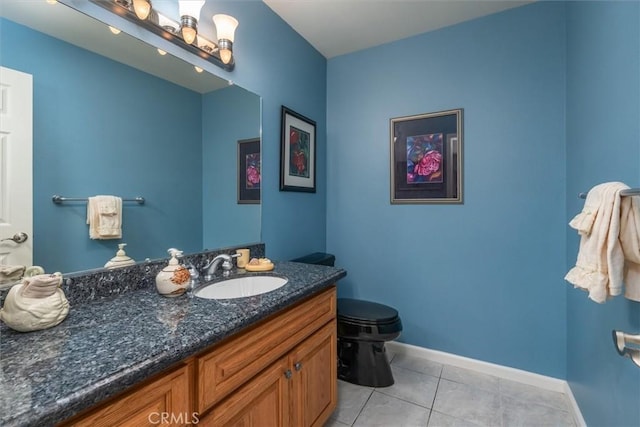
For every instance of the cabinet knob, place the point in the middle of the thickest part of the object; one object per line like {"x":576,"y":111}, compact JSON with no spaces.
{"x":288,"y":374}
{"x":298,"y":366}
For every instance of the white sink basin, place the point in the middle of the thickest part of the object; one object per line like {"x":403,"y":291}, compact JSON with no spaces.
{"x":241,"y":287}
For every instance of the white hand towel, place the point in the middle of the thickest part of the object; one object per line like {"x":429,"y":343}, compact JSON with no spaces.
{"x":630,"y":241}
{"x":600,"y":265}
{"x":104,"y":216}
{"x":583,"y":222}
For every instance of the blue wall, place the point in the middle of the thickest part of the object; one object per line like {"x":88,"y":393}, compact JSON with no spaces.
{"x":277,"y":63}
{"x":138,"y":147}
{"x":482,"y":279}
{"x":228,"y":115}
{"x":603,"y":144}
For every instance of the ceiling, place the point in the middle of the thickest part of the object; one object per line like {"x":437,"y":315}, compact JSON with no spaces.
{"x":337,"y":27}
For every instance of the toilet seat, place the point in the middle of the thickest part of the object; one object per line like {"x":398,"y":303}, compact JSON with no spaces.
{"x":365,"y":312}
{"x":366,"y":320}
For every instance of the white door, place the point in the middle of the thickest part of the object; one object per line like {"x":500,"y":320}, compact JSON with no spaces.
{"x":16,"y":194}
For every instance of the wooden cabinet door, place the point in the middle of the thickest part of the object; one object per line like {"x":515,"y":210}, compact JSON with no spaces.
{"x":313,"y":363}
{"x":164,"y":401}
{"x":262,"y":402}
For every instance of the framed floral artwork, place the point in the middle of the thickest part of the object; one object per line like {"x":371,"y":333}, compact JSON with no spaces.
{"x":426,"y":158}
{"x":297,"y":153}
{"x":249,"y":171}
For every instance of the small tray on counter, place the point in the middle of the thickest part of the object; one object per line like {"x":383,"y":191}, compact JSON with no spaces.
{"x":263,"y":266}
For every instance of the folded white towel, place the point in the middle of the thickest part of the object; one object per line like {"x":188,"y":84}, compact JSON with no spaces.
{"x":104,"y":216}
{"x":609,"y":253}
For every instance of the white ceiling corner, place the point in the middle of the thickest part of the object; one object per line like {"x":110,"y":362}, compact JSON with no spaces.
{"x":338,"y":27}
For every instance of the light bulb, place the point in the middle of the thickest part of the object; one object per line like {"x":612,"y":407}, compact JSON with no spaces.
{"x":188,"y":34}
{"x":198,"y":69}
{"x":142,"y":8}
{"x":114,"y":30}
{"x":225,"y":55}
{"x":161,"y":52}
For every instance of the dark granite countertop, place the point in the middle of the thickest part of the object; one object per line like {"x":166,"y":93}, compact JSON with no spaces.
{"x":107,"y":345}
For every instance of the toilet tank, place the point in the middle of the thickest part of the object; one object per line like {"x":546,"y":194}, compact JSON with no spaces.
{"x":318,"y":258}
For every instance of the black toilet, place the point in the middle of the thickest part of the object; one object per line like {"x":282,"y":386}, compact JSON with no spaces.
{"x":363,"y":328}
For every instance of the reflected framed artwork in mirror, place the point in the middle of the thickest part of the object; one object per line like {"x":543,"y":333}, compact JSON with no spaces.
{"x":297,"y":153}
{"x":249,"y":169}
{"x":426,"y":158}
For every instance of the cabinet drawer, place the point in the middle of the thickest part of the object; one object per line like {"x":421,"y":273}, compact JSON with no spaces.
{"x":164,"y":399}
{"x":236,"y":360}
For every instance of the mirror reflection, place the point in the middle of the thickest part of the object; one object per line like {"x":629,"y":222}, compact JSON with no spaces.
{"x":111,"y":116}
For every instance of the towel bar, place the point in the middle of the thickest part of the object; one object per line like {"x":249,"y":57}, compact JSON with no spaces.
{"x":627,"y":345}
{"x":629,"y":192}
{"x":59,"y":199}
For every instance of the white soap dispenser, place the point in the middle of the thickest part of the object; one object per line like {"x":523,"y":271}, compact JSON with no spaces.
{"x":174,"y":279}
{"x":121,"y":259}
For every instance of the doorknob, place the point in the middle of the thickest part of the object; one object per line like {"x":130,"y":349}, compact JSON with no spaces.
{"x":17,"y":238}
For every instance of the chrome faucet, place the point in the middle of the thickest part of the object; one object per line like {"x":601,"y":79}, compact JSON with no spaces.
{"x":227,"y":265}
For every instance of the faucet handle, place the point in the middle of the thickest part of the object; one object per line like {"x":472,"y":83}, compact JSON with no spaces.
{"x":227,"y":264}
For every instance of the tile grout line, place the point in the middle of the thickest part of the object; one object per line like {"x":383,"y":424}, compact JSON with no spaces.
{"x":363,"y":406}
{"x":434,"y":398}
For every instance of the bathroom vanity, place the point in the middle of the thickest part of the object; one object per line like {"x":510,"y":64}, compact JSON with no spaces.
{"x":138,"y":358}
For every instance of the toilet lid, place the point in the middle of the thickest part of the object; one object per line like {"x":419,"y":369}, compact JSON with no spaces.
{"x":365,"y":311}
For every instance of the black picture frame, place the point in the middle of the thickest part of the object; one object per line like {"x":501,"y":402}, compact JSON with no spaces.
{"x":249,"y":171}
{"x":426,"y":158}
{"x":297,"y":152}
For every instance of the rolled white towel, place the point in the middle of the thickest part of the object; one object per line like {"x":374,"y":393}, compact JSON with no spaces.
{"x":36,"y":303}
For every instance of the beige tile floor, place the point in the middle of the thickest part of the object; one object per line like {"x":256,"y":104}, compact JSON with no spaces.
{"x":426,"y":393}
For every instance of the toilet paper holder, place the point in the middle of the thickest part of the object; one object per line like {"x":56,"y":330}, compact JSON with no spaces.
{"x":627,"y":345}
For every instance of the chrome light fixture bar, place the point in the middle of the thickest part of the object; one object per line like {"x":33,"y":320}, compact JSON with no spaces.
{"x":171,"y":30}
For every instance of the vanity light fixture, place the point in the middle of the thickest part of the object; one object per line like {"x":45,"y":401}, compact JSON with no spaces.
{"x":184,"y":32}
{"x":226,"y":26}
{"x":189,"y":15}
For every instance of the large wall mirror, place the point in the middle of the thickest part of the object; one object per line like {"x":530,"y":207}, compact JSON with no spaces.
{"x":113,"y":116}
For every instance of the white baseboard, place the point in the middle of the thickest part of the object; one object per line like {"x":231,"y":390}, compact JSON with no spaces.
{"x":525,"y":377}
{"x":577,"y":415}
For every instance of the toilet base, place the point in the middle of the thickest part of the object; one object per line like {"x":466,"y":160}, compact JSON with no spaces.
{"x":364,"y":363}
